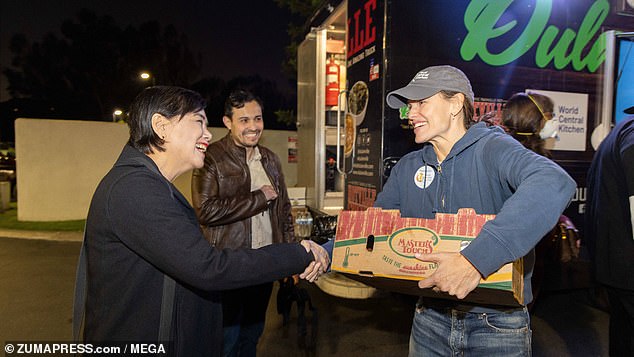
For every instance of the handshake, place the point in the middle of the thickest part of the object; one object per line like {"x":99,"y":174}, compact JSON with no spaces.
{"x":317,"y":266}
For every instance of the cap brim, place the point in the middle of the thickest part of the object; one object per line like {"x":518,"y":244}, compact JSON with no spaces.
{"x":629,"y":110}
{"x":398,"y":98}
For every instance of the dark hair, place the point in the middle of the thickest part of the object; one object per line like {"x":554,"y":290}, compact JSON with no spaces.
{"x":238,"y":98}
{"x":171,"y":102}
{"x":523,"y":119}
{"x":467,"y":107}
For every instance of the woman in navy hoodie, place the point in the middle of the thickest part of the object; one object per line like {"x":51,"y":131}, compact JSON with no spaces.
{"x":467,"y":165}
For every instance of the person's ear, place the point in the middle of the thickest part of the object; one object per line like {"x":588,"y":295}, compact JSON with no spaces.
{"x":160,"y":125}
{"x":457,"y":103}
{"x":227,"y":121}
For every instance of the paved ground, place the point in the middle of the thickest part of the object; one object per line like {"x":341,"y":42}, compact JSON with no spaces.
{"x":37,"y":278}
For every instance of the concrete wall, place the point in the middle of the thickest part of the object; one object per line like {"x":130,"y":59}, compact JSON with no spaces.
{"x":60,"y":162}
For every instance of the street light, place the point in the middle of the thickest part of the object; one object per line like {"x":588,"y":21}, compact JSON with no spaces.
{"x":116,"y":115}
{"x":146,"y":76}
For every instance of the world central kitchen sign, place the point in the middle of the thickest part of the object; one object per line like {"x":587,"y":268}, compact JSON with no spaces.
{"x":487,"y":21}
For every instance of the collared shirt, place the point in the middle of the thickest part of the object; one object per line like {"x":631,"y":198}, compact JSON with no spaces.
{"x":261,"y":230}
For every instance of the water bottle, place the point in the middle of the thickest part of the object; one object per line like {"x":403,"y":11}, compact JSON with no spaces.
{"x":308,"y":225}
{"x":303,"y":225}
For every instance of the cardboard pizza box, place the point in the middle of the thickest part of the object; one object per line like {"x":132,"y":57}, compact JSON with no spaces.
{"x":377,"y":247}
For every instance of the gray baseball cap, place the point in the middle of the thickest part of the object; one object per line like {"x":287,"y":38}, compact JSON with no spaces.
{"x":430,"y":81}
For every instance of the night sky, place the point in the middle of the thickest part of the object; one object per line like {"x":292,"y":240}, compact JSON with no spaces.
{"x":235,"y":37}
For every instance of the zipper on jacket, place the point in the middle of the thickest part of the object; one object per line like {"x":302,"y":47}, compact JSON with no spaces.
{"x":442,"y":195}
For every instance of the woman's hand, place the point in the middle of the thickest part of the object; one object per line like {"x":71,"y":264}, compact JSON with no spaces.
{"x":454,"y":275}
{"x":317,"y":266}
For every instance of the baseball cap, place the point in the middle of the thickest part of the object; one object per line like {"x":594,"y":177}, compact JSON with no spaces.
{"x":430,"y":81}
{"x":629,"y":110}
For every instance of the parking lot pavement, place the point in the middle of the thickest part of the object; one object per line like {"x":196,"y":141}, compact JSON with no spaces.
{"x":36,"y":288}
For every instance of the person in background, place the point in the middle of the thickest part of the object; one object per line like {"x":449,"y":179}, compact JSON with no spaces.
{"x":142,"y":237}
{"x":528,"y":118}
{"x":463,"y":164}
{"x":241,"y":201}
{"x":609,"y":227}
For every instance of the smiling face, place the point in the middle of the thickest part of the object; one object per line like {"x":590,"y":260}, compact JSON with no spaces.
{"x":439,"y":120}
{"x":186,"y":141}
{"x":246,"y":124}
{"x":430,"y":118}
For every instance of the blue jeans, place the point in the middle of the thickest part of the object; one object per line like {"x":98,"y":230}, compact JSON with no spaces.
{"x":449,"y":332}
{"x":244,"y":313}
{"x":241,"y":340}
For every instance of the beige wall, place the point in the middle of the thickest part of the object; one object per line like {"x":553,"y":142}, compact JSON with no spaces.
{"x":60,"y":163}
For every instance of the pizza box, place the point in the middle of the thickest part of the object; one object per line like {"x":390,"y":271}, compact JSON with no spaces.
{"x":377,"y":247}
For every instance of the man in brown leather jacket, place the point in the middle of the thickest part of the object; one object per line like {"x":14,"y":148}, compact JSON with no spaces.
{"x":241,"y":201}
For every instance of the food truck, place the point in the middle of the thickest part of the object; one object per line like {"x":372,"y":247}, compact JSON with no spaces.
{"x":356,"y":51}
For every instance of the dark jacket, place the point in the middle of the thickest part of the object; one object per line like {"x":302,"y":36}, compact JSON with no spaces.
{"x":224,"y":203}
{"x":608,"y":220}
{"x":140,"y":227}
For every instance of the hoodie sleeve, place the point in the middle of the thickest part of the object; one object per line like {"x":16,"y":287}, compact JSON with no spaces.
{"x":541,"y":191}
